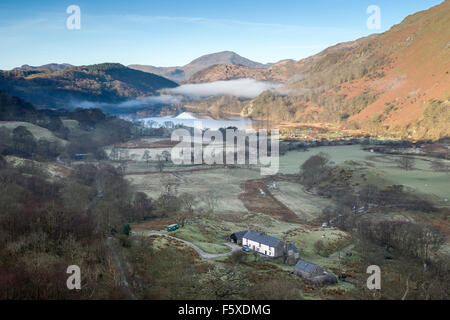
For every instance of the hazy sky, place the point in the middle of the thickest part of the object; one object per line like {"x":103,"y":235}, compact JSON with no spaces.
{"x":169,"y":32}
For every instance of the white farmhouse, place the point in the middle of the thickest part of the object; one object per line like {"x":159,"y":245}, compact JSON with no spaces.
{"x":264,"y":244}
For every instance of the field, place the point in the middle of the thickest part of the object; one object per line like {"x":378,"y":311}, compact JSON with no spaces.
{"x":382,"y":169}
{"x":308,"y":207}
{"x":224,"y":183}
{"x":227,"y":183}
{"x":70,"y":124}
{"x":241,"y":189}
{"x":38,"y":132}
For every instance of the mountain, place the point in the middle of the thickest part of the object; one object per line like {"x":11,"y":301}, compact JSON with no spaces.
{"x":50,"y":66}
{"x":101,"y":83}
{"x":227,"y":72}
{"x":394,"y":83}
{"x":282,"y":71}
{"x":184,"y":73}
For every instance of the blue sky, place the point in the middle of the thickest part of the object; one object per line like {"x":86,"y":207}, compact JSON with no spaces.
{"x":170,"y":32}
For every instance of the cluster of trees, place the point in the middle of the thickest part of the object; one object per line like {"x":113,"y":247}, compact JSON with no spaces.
{"x":47,"y":225}
{"x":315,"y":170}
{"x":440,"y":166}
{"x":21,"y":142}
{"x":316,"y":173}
{"x":405,"y":163}
{"x":410,"y":238}
{"x":360,"y":212}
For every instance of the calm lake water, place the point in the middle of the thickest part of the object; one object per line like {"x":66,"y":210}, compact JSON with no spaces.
{"x":194,"y":120}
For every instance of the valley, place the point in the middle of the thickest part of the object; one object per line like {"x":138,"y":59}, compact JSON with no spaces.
{"x":101,"y":167}
{"x":281,"y":206}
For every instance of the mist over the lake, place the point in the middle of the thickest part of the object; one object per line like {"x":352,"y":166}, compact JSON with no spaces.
{"x":242,"y":88}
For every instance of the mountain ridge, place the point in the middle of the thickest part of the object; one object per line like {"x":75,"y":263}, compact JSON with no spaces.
{"x":395,"y":83}
{"x":184,"y":73}
{"x":49,"y":66}
{"x":101,"y":83}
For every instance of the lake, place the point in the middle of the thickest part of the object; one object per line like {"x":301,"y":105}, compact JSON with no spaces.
{"x":189,"y":119}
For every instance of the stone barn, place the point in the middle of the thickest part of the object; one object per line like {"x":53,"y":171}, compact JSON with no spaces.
{"x":292,"y":254}
{"x":307,"y":269}
{"x":313,"y":273}
{"x":237,"y":237}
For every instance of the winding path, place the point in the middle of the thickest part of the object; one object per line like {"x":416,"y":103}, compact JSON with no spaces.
{"x":202,"y":253}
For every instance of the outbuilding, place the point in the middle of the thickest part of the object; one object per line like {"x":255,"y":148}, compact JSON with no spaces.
{"x":237,"y":237}
{"x":313,"y":273}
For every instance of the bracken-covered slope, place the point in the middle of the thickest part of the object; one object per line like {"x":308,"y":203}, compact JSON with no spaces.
{"x":282,"y":71}
{"x":396,"y":82}
{"x":107,"y":83}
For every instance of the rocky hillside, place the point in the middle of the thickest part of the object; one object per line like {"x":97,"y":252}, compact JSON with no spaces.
{"x":228,"y":72}
{"x":107,"y":83}
{"x":397,"y":82}
{"x":184,"y":73}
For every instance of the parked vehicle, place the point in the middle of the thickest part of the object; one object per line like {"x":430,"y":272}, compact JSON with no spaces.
{"x":173,"y":227}
{"x":245,"y":249}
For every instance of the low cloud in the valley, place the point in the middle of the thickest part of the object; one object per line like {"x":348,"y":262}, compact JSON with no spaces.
{"x":243,"y":88}
{"x":135,"y":103}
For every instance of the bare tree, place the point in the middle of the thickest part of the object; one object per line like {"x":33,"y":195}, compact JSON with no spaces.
{"x":440,"y":166}
{"x":405,"y":163}
{"x":188,"y":201}
{"x":114,"y":155}
{"x":146,"y":157}
{"x":211,"y":199}
{"x":160,"y":164}
{"x":169,"y":124}
{"x":181,"y":217}
{"x":166,"y":155}
{"x":237,"y":257}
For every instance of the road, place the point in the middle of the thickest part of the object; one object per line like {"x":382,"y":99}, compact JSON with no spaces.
{"x":202,"y":253}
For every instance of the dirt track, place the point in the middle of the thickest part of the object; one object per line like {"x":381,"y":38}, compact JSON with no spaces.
{"x":202,"y":253}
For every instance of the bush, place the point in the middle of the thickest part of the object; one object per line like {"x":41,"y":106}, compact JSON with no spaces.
{"x":124,"y":240}
{"x":319,"y":246}
{"x":237,"y":257}
{"x":126,"y":230}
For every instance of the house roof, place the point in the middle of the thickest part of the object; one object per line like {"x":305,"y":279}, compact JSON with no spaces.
{"x":239,"y":235}
{"x":306,"y":266}
{"x":292,"y":247}
{"x":262,"y":238}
